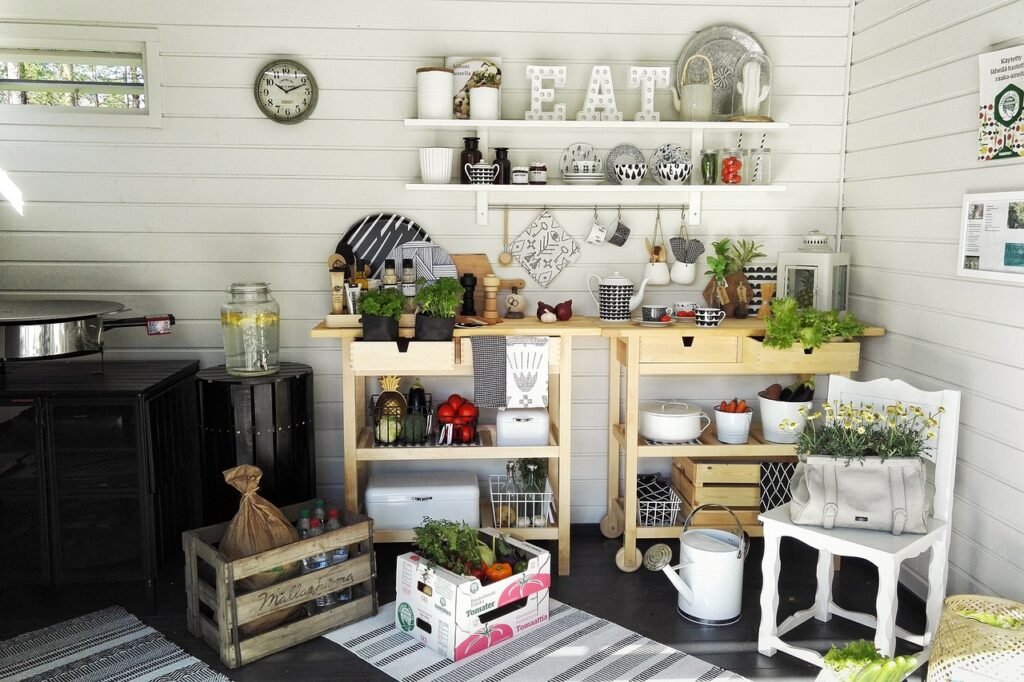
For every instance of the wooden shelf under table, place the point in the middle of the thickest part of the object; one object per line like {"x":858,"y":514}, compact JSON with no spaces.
{"x":756,"y":449}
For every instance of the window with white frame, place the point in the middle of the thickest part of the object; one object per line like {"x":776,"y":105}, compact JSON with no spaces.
{"x":79,"y":75}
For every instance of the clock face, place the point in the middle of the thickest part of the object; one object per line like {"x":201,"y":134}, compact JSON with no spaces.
{"x":286,"y":91}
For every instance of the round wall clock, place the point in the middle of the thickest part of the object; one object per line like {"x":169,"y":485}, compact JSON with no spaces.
{"x":285,"y":91}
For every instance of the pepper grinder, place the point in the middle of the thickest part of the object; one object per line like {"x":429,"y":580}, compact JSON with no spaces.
{"x":468,"y":282}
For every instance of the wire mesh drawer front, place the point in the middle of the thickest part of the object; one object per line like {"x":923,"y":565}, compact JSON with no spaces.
{"x":775,"y":477}
{"x":657,"y":502}
{"x":516,"y":509}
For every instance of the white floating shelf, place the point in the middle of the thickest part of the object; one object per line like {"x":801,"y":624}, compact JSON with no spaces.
{"x":466,"y":124}
{"x":694,"y":192}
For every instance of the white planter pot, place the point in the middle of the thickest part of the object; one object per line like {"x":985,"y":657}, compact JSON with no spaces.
{"x":436,"y":165}
{"x":773,"y":412}
{"x":483,"y":104}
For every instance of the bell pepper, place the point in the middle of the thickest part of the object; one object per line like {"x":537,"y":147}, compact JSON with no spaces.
{"x":499,"y":571}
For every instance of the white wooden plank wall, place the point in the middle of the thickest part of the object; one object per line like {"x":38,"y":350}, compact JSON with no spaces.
{"x":910,"y":158}
{"x":164,"y":219}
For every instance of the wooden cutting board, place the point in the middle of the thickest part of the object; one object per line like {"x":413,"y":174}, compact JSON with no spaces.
{"x":479,"y":264}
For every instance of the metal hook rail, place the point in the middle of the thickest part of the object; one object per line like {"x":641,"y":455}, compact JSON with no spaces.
{"x":587,"y":207}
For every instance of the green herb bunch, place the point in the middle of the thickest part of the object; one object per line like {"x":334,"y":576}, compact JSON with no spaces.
{"x":440,"y":298}
{"x":382,"y":303}
{"x":730,"y":259}
{"x":848,"y":431}
{"x":810,"y":327}
{"x":449,"y":544}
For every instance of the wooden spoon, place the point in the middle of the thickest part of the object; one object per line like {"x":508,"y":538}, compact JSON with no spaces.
{"x":505,"y":258}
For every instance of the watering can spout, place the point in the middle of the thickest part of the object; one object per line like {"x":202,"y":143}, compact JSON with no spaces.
{"x":677,"y":582}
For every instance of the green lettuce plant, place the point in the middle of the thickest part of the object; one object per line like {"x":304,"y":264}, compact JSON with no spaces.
{"x":381,"y":303}
{"x":859,"y":661}
{"x":810,"y":327}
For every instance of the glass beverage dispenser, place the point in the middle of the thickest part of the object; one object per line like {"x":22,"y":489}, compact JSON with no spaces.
{"x":815,"y":275}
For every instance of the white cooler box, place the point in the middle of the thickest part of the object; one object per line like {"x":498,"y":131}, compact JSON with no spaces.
{"x":522,"y":427}
{"x":400,"y":501}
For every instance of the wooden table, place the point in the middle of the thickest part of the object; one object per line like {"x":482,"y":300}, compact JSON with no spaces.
{"x":370,"y":359}
{"x":682,"y":349}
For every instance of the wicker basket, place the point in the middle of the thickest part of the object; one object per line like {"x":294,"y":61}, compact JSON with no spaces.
{"x":964,"y":644}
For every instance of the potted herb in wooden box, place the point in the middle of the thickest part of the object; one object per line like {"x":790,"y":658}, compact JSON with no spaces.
{"x":790,"y":324}
{"x":437,"y":301}
{"x":380,"y":311}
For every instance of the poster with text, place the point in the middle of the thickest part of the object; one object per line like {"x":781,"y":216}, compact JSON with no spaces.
{"x":992,"y":236}
{"x":1001,"y":87}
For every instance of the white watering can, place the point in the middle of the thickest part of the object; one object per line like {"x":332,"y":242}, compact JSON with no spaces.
{"x":710,"y":572}
{"x":615,"y":299}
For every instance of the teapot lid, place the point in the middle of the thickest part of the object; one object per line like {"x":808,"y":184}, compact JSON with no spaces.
{"x":616,"y":278}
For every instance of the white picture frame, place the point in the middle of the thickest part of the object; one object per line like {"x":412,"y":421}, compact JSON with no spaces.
{"x":991,"y":244}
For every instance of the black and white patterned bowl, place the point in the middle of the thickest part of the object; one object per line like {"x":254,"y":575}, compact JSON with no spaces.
{"x":630,"y":173}
{"x":674,"y":172}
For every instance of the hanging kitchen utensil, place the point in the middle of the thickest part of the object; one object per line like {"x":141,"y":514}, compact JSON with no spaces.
{"x":678,"y":243}
{"x":505,"y":258}
{"x":544,"y":248}
{"x":657,"y":269}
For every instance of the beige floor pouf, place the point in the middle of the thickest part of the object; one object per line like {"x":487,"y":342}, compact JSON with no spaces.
{"x":966,"y":650}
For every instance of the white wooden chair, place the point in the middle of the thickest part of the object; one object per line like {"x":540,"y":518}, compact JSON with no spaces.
{"x":886,"y":551}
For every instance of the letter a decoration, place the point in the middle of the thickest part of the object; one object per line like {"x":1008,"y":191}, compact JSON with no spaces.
{"x":600,"y":104}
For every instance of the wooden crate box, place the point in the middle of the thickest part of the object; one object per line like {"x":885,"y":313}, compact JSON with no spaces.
{"x":217,"y":607}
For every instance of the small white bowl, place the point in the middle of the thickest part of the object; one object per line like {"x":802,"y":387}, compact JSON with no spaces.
{"x":674,"y":173}
{"x":630,"y":173}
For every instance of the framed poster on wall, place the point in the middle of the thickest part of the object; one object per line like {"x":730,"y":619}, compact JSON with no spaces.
{"x":992,"y":237}
{"x":1001,"y":105}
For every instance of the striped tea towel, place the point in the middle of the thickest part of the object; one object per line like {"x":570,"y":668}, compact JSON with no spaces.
{"x":489,"y":371}
{"x":526,"y":372}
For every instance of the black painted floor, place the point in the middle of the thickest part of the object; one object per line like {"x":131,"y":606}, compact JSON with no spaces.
{"x":644,"y":602}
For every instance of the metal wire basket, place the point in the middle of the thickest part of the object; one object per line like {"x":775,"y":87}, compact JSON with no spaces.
{"x":517,"y":509}
{"x":395,"y":433}
{"x":659,"y":512}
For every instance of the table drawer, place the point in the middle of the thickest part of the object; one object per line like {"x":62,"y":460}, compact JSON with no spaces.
{"x":682,"y":348}
{"x":388,"y":357}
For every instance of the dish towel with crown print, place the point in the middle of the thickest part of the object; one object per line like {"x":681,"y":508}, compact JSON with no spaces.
{"x":526,"y":371}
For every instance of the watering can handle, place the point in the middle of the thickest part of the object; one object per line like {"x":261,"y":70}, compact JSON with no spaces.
{"x":741,"y":534}
{"x":711,"y":70}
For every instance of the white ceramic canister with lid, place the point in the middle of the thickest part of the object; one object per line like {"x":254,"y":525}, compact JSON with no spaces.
{"x":434,"y":85}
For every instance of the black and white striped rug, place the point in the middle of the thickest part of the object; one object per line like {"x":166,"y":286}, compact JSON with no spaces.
{"x":110,"y":645}
{"x":572,"y":645}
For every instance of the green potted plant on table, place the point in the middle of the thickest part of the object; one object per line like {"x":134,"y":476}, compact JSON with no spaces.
{"x":812,"y":328}
{"x":437,"y":301}
{"x":729,"y":288}
{"x":861,"y":467}
{"x":380,"y":309}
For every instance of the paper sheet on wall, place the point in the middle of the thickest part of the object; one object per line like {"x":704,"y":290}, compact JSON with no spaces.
{"x":992,"y":236}
{"x":1001,"y":91}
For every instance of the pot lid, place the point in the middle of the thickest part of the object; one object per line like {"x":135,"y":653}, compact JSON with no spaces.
{"x":32,"y":311}
{"x":670,"y":408}
{"x":615,"y":279}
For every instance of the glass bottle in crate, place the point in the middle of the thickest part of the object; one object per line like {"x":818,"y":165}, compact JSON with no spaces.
{"x":250,"y":321}
{"x":339,"y":555}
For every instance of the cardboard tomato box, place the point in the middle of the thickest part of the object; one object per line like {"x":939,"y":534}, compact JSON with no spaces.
{"x":456,"y":616}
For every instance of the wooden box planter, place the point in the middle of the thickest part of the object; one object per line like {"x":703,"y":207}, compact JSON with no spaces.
{"x":832,"y":358}
{"x":217,"y":607}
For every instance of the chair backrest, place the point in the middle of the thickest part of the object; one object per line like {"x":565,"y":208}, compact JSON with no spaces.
{"x":942,"y":454}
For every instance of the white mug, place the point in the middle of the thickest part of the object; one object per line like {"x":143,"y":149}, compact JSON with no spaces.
{"x":436,"y":165}
{"x":709,"y":317}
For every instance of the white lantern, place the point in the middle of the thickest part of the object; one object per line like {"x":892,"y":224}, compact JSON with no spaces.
{"x":815,"y":275}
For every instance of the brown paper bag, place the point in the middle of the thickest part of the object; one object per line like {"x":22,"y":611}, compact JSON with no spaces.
{"x":257,"y":527}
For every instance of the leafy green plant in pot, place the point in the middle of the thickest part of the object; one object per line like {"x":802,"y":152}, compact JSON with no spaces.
{"x":438,"y":302}
{"x":381,"y":310}
{"x":790,"y":324}
{"x":729,"y":288}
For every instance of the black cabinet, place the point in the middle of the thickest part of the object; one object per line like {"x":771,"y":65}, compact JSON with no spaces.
{"x":99,"y":469}
{"x":264,"y":421}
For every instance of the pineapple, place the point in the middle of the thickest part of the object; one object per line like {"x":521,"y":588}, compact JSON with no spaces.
{"x":390,"y":402}
{"x":389,"y":411}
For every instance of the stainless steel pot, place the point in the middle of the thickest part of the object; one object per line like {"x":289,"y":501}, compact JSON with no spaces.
{"x":37,"y":329}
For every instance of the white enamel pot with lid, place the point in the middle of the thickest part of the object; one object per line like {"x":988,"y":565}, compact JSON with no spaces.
{"x":671,"y":421}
